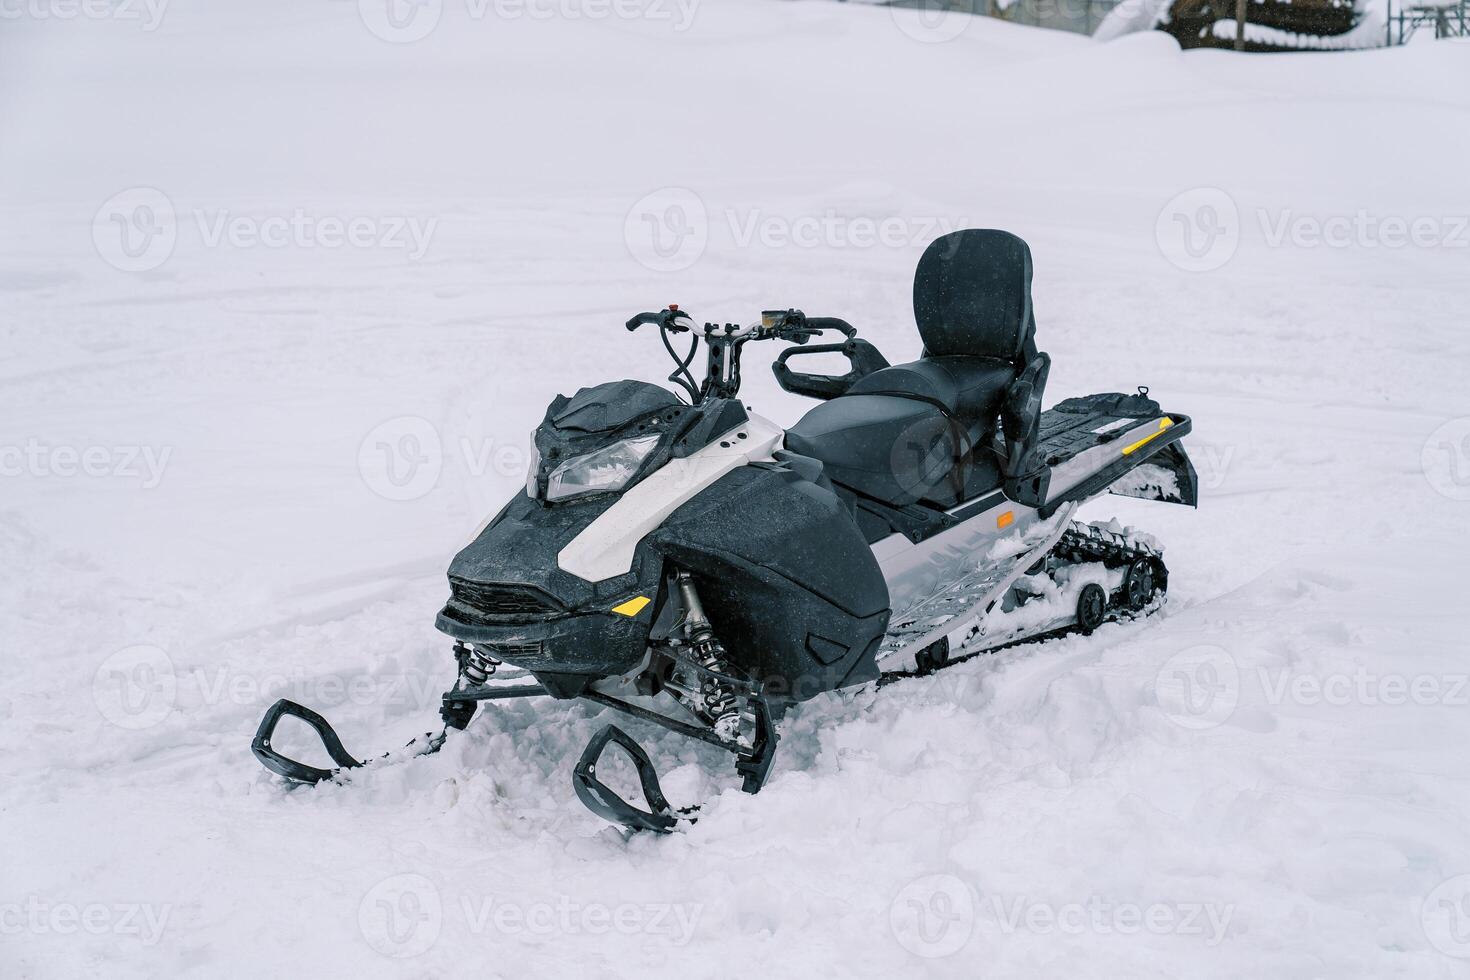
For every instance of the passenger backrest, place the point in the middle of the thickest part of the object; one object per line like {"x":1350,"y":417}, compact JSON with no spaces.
{"x":972,"y":295}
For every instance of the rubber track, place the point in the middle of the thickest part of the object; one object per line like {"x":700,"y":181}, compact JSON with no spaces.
{"x":1080,"y":544}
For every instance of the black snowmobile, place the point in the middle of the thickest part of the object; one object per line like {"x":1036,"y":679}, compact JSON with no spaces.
{"x":691,"y":564}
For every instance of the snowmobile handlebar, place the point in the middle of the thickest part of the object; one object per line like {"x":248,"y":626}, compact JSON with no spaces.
{"x":792,"y":325}
{"x":722,"y":378}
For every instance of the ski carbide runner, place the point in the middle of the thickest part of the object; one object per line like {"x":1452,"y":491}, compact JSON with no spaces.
{"x":966,"y":600}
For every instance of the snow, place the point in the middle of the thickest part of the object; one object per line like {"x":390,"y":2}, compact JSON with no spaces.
{"x":1149,"y":482}
{"x":240,"y":471}
{"x":1369,"y":33}
{"x":1131,"y":16}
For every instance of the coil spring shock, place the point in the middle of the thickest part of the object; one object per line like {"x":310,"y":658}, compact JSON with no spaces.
{"x":719,"y":699}
{"x":475,"y":666}
{"x":718,"y":703}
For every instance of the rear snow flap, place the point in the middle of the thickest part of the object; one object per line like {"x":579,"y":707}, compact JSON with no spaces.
{"x":1168,"y":476}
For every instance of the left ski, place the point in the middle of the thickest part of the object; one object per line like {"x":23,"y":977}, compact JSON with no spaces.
{"x":458,"y":706}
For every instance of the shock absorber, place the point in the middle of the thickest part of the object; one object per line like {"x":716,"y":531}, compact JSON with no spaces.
{"x":716,"y":701}
{"x":475,"y":666}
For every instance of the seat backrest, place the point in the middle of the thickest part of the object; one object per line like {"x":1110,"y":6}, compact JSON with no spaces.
{"x":972,"y":295}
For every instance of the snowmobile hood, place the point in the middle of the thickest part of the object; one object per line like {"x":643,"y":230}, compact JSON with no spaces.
{"x":605,"y":414}
{"x":610,"y":406}
{"x":600,"y":416}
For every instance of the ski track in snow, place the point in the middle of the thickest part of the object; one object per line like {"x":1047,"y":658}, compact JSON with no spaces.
{"x":1315,"y":829}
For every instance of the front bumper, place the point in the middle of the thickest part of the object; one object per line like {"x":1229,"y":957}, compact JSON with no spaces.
{"x":510,"y":599}
{"x":596,"y":644}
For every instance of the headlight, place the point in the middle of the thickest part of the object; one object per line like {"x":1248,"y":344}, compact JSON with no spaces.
{"x":608,"y":468}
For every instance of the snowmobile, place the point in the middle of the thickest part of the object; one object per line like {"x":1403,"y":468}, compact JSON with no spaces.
{"x":688,"y":563}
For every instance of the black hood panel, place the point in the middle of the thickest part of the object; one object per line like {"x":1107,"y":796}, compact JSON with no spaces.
{"x":610,"y":407}
{"x":520,"y":548}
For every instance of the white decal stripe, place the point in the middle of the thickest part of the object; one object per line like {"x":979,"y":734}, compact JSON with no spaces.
{"x":605,"y":547}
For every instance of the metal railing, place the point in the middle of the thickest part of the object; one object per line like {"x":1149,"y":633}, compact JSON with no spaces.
{"x":1447,"y":21}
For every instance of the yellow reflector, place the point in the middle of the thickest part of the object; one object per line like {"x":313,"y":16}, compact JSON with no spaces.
{"x":1005,"y":519}
{"x":633,"y":606}
{"x":1164,"y":423}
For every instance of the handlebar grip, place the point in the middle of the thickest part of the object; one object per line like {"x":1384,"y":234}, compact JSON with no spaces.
{"x":669,"y":320}
{"x":796,"y":326}
{"x":831,"y":323}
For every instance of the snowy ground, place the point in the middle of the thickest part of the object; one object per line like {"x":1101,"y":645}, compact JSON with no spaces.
{"x":236,"y":470}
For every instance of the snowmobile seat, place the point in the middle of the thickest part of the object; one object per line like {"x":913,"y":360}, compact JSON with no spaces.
{"x":969,"y":389}
{"x":889,"y":447}
{"x":902,"y":433}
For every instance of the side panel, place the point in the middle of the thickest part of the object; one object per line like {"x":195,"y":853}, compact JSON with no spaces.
{"x":790,"y":584}
{"x":916,"y":573}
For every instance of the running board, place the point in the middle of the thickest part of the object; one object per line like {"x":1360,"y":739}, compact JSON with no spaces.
{"x":967,"y":600}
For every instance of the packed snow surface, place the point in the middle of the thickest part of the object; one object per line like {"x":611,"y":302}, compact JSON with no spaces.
{"x":286,"y":285}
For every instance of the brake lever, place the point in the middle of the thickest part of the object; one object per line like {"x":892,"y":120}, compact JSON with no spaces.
{"x":797,"y":327}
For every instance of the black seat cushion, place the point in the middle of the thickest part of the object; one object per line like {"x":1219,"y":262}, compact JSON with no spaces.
{"x":886,"y":447}
{"x":969,"y":388}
